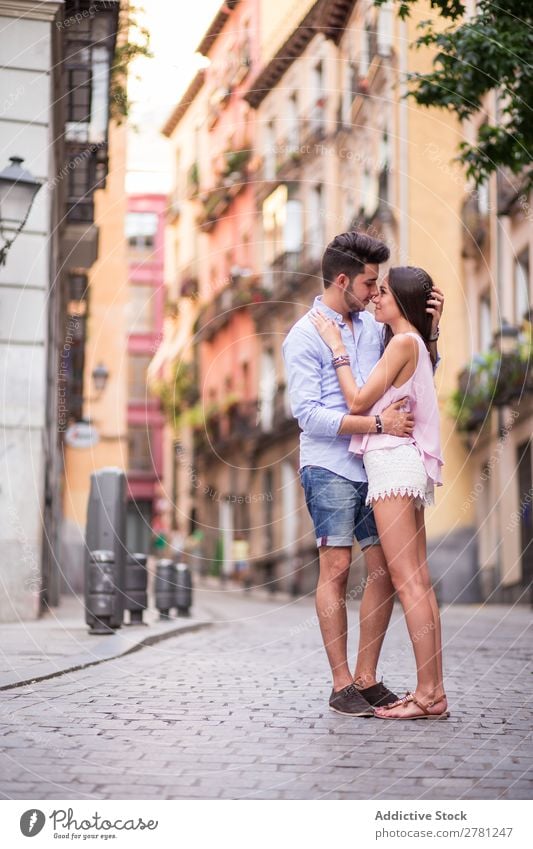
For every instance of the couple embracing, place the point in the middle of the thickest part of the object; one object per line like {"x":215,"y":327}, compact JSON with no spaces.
{"x":362,"y":391}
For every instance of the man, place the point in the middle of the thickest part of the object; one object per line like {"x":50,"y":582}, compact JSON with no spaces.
{"x":333,"y":478}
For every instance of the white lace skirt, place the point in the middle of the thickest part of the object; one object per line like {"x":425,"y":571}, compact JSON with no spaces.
{"x":398,"y":471}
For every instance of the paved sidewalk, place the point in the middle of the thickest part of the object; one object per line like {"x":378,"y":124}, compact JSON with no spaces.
{"x":59,"y":641}
{"x":239,"y":711}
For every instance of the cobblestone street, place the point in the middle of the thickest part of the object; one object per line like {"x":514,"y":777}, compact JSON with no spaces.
{"x":239,"y":710}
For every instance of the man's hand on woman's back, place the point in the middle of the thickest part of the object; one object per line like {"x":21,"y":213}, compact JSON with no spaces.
{"x":396,"y":421}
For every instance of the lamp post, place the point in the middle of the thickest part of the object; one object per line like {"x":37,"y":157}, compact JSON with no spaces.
{"x":505,"y":339}
{"x":17,"y":192}
{"x":100,"y":375}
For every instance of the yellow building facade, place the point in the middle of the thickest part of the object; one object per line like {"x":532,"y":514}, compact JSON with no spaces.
{"x":105,"y":345}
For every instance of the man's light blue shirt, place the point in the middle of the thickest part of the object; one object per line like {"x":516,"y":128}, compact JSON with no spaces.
{"x":316,"y":398}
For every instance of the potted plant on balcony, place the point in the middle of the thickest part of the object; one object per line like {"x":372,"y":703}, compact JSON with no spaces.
{"x":492,"y":379}
{"x":177,"y":392}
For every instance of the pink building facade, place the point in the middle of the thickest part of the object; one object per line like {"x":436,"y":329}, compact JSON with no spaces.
{"x":145,"y":222}
{"x":227,"y":347}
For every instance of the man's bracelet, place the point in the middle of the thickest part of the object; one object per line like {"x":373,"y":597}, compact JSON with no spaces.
{"x":379,"y":424}
{"x":434,"y":336}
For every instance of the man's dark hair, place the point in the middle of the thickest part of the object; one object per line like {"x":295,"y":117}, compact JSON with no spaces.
{"x":348,"y":254}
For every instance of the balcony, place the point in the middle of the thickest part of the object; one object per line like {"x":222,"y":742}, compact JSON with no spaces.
{"x":88,"y":49}
{"x":242,"y":292}
{"x":475,"y":230}
{"x":289,"y":156}
{"x":193,"y":181}
{"x":229,"y":426}
{"x":285,"y":273}
{"x":232,"y":177}
{"x":283,"y":418}
{"x":509,"y":188}
{"x":313,"y":129}
{"x":492,"y":379}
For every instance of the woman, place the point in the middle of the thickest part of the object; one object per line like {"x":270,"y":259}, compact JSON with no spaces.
{"x":402,"y":471}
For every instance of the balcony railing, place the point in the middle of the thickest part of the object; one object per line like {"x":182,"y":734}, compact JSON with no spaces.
{"x":491,"y":380}
{"x":289,"y":154}
{"x":89,"y":43}
{"x":217,"y":200}
{"x":231,"y":426}
{"x":242,"y":292}
{"x":475,"y":230}
{"x":313,"y":128}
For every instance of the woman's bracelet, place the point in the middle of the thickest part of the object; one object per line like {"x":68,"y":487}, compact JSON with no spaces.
{"x":379,"y":424}
{"x":341,"y":360}
{"x":434,"y":336}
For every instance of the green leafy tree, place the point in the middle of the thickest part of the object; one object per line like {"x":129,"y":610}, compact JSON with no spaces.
{"x":133,"y":40}
{"x":491,"y":50}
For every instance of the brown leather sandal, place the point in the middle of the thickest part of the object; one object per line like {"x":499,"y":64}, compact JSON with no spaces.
{"x":423,"y":707}
{"x":396,"y":703}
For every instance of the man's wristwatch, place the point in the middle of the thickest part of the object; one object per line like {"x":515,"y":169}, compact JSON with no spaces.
{"x":379,"y":424}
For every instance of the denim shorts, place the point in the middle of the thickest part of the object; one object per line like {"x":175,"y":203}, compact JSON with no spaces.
{"x":337,"y":508}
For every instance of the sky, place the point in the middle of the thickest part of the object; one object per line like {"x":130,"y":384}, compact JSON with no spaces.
{"x":155,"y":85}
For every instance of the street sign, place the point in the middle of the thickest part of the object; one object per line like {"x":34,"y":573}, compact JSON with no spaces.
{"x":81,"y":435}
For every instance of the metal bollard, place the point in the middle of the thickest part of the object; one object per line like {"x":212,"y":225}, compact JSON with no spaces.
{"x":103,"y":602}
{"x":183,"y":589}
{"x":136,"y":599}
{"x":164,"y":587}
{"x":106,"y":529}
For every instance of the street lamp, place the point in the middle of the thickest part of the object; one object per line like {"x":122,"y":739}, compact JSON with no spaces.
{"x":505,"y":339}
{"x":100,"y":374}
{"x":17,"y":192}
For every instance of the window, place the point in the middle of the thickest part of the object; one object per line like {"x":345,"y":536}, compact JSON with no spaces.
{"x":270,"y":152}
{"x":317,"y":110}
{"x":364,"y":54}
{"x":289,"y":493}
{"x":385,"y":30}
{"x":245,"y":367}
{"x":274,"y":219}
{"x":137,"y":385}
{"x":267,"y":390}
{"x":521,"y":287}
{"x":369,"y":193}
{"x":141,"y":309}
{"x":346,"y":95}
{"x":485,"y":323}
{"x":79,"y":96}
{"x":292,"y":124}
{"x":316,"y":220}
{"x":82,"y":181}
{"x":292,"y":228}
{"x":141,"y":228}
{"x":483,"y":198}
{"x":268,"y":505}
{"x":139,"y":448}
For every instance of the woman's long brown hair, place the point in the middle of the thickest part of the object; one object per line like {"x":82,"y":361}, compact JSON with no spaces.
{"x":411,"y":287}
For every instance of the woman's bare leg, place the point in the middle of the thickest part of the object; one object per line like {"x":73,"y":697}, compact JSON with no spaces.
{"x":374,"y":615}
{"x":397,"y":527}
{"x":422,"y":559}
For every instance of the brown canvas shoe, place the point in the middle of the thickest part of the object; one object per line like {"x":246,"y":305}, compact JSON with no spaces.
{"x":350,"y":702}
{"x":378,"y":695}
